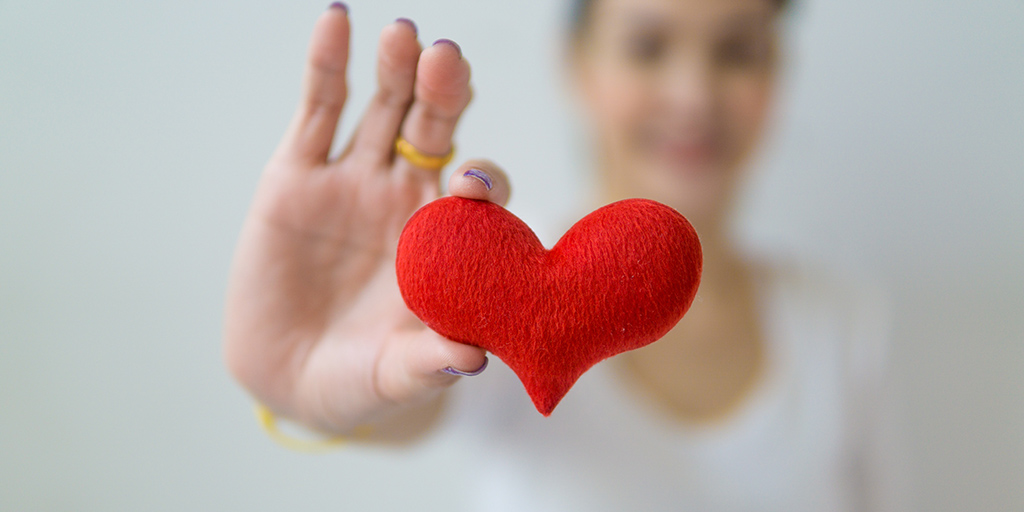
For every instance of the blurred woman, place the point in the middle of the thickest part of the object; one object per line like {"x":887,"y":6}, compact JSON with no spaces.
{"x":765,"y":397}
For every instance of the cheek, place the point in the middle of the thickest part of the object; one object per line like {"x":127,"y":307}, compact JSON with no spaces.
{"x":746,"y":106}
{"x":618,"y":101}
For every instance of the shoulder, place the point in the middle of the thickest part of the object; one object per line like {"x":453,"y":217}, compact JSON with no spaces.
{"x":854,"y":299}
{"x":847,"y":309}
{"x":855,"y":293}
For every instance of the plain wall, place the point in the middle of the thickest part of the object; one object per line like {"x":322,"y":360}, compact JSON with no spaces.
{"x":132,"y":135}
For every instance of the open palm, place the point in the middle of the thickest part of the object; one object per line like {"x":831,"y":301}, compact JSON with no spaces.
{"x":315,"y":326}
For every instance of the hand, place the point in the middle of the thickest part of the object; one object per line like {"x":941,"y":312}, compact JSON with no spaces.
{"x":315,"y":326}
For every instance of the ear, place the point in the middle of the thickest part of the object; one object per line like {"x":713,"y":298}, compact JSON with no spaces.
{"x":573,"y":61}
{"x":576,"y":71}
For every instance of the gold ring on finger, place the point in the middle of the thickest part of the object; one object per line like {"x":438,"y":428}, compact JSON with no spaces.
{"x":419,"y":159}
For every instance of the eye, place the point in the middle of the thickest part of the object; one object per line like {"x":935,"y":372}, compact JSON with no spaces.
{"x":645,"y":48}
{"x":744,"y":52}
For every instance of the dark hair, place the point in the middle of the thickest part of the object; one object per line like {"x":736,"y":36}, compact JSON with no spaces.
{"x":580,"y":14}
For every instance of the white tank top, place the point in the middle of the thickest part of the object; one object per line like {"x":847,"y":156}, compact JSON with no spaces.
{"x":813,"y":435}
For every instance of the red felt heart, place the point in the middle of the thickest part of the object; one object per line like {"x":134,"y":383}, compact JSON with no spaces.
{"x":617,"y":280}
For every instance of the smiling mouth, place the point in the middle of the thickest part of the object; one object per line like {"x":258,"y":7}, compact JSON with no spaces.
{"x":686,"y":154}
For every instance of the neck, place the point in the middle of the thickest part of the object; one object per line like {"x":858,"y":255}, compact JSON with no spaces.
{"x":725,"y":271}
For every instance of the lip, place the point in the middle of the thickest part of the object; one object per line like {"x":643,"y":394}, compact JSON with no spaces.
{"x":686,"y":153}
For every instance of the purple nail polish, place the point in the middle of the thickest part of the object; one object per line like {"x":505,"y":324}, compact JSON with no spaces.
{"x":409,"y":22}
{"x":450,"y":42}
{"x":480,"y":175}
{"x":452,"y":371}
{"x":339,"y":5}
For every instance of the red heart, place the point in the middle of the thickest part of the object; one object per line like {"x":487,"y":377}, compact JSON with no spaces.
{"x":616,"y":281}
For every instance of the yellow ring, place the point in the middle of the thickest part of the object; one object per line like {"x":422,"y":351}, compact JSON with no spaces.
{"x":269,"y":423}
{"x":417,"y":158}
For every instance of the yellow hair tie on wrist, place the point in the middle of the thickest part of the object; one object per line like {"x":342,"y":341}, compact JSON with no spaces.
{"x":268,"y":421}
{"x":419,"y":159}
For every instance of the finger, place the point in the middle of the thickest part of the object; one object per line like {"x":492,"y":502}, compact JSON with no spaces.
{"x":480,"y":179}
{"x":441,"y":94}
{"x":324,"y":89}
{"x":397,"y":56}
{"x":427,"y":363}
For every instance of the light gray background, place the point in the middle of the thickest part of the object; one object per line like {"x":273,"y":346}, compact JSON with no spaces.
{"x":132,"y":134}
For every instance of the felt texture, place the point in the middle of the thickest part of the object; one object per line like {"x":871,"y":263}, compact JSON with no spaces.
{"x":619,"y":279}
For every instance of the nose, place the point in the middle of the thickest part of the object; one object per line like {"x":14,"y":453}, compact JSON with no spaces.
{"x":688,"y":88}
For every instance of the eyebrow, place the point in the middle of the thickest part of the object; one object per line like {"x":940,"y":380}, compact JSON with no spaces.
{"x":647,"y":21}
{"x":746,"y":20}
{"x":738,"y":22}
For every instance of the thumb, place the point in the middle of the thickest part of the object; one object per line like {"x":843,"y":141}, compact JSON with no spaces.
{"x":480,"y":179}
{"x":426,"y":362}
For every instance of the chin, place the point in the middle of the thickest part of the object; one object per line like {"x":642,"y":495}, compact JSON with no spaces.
{"x":698,"y":210}
{"x":699,"y":191}
{"x":699,"y":188}
{"x":699,"y":203}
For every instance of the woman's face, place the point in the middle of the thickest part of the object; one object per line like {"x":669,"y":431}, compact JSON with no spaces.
{"x":677,"y":91}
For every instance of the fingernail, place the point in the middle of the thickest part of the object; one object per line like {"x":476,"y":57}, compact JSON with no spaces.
{"x":409,"y":22}
{"x":480,"y":175}
{"x":339,"y":5}
{"x":452,"y":371}
{"x":450,"y":42}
